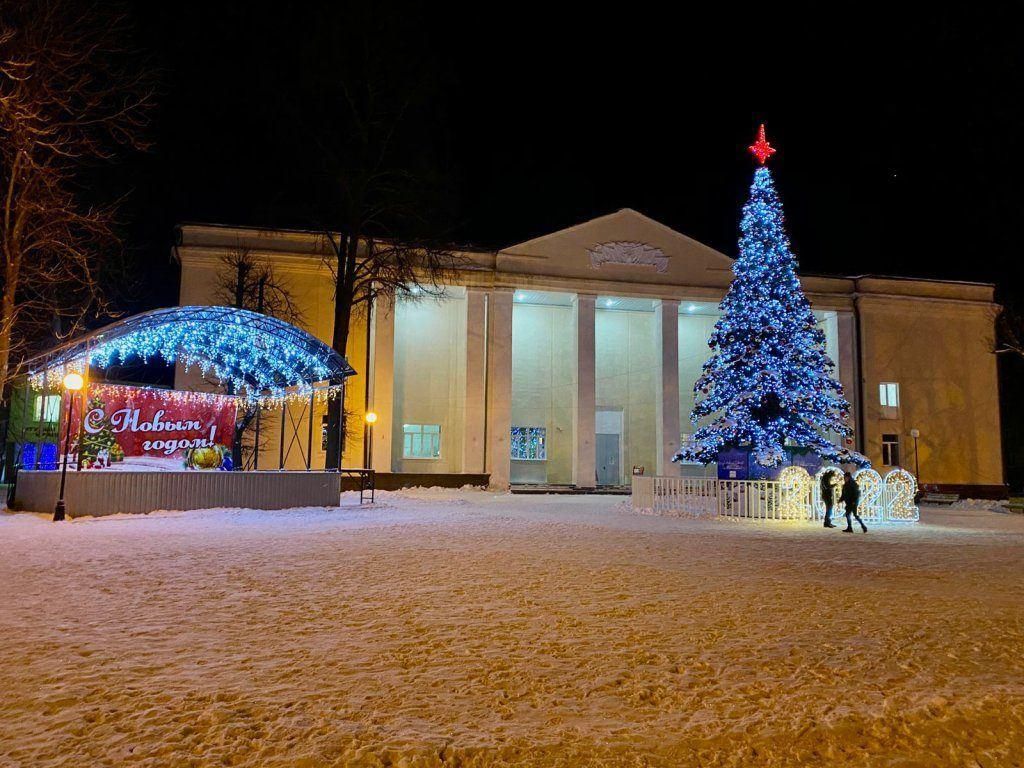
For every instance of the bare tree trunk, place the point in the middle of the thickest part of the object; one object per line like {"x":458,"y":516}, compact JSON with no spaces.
{"x":343,"y":300}
{"x":6,"y":325}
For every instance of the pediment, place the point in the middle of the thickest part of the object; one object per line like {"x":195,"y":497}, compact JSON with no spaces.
{"x":624,"y":246}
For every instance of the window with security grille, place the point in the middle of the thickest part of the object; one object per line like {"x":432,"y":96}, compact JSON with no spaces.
{"x":529,"y":443}
{"x":891,"y":450}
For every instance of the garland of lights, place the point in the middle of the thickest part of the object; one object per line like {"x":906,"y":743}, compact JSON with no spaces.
{"x":264,"y":360}
{"x":267,"y":402}
{"x":175,"y":396}
{"x":769,"y":381}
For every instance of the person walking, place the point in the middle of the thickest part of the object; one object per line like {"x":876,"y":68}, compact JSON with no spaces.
{"x":828,"y":496}
{"x":851,"y":497}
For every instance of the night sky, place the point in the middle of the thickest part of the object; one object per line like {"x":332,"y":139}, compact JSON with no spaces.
{"x":899,"y":136}
{"x":900,"y":131}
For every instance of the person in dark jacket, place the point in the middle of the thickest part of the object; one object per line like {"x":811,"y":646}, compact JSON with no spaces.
{"x":851,"y":497}
{"x":828,"y":496}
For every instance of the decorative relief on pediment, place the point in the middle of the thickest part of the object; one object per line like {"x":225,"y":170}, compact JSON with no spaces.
{"x":622,"y":252}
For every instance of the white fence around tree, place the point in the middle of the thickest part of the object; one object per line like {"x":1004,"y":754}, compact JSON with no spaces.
{"x":794,"y":496}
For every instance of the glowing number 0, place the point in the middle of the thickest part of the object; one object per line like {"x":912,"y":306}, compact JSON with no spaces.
{"x":837,"y":481}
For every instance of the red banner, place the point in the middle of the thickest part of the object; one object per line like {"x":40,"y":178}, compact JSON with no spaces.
{"x":133,"y":428}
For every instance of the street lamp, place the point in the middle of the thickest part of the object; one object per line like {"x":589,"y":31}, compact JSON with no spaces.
{"x":916,"y":433}
{"x":72,"y":383}
{"x":371,"y":419}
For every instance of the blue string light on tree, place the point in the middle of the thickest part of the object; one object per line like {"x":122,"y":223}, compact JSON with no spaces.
{"x":769,"y":379}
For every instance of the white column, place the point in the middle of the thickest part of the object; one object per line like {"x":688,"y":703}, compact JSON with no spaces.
{"x":849,"y":369}
{"x":666,"y":334}
{"x":584,"y":395}
{"x":382,"y":401}
{"x":475,"y":413}
{"x":499,"y":387}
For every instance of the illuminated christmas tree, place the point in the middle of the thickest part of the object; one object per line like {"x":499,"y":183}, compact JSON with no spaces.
{"x":93,"y":444}
{"x":769,"y":379}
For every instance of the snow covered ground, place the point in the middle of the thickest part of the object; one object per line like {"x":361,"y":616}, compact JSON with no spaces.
{"x":470,"y":629}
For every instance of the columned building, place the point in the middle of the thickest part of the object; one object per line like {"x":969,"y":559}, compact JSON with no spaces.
{"x":570,"y":359}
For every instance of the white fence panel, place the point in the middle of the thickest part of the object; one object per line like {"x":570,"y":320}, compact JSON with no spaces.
{"x":767,"y":499}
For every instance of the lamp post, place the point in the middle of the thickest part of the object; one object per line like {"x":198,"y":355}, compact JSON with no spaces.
{"x":916,"y":433}
{"x":371,"y":419}
{"x":72,"y":383}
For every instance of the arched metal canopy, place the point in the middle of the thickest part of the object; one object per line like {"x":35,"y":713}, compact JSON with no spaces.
{"x":260,"y":356}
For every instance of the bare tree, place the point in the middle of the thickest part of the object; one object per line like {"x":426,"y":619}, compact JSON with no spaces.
{"x":71,"y":97}
{"x":1010,"y":337}
{"x":247,"y":281}
{"x":374,"y":123}
{"x":365,"y":268}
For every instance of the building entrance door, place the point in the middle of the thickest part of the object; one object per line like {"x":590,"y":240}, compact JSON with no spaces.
{"x":608,"y":470}
{"x":608,"y":429}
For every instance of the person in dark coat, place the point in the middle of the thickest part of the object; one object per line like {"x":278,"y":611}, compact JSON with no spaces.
{"x":828,"y":497}
{"x":851,"y":497}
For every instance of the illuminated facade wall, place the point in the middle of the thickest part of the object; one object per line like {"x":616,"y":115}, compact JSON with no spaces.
{"x":625,"y":367}
{"x":429,"y":382}
{"x":940,"y":355}
{"x":527,"y":339}
{"x":543,"y":370}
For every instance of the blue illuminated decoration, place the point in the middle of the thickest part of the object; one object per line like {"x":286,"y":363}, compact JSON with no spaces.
{"x":28,"y":456}
{"x":769,"y":378}
{"x":48,"y":456}
{"x":261,"y":358}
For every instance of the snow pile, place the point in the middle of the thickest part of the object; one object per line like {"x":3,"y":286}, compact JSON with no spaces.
{"x":484,"y":629}
{"x":419,"y":495}
{"x":990,"y":505}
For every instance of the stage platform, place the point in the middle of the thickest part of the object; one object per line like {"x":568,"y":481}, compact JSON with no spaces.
{"x":100,"y":493}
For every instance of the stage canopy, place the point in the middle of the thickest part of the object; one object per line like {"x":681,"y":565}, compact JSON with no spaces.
{"x":258,"y":357}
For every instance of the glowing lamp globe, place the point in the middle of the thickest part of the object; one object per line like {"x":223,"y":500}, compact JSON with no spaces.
{"x":371,"y":417}
{"x":73,"y":382}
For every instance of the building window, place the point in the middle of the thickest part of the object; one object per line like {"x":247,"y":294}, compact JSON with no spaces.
{"x":529,"y":444}
{"x":421,"y":441}
{"x":891,"y":450}
{"x":889,"y":394}
{"x":52,"y":408}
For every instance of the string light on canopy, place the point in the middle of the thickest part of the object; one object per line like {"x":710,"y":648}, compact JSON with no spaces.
{"x":262,"y":359}
{"x":768,"y":383}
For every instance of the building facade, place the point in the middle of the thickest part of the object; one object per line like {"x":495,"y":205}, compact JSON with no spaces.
{"x":570,"y":359}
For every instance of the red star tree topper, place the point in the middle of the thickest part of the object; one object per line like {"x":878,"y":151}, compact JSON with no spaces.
{"x":761,"y":149}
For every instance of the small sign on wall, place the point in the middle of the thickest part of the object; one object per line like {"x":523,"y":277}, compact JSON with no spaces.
{"x":732,"y":464}
{"x":638,"y":469}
